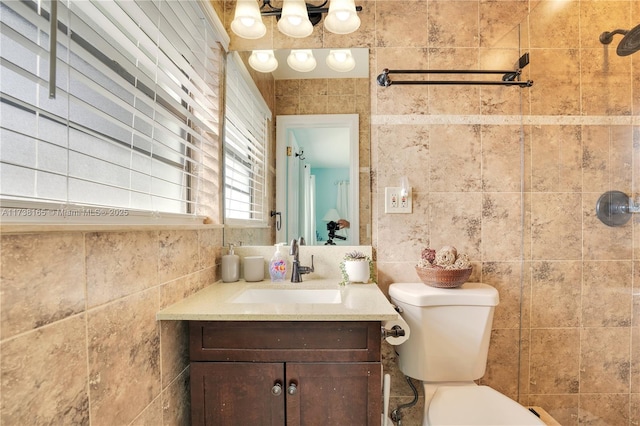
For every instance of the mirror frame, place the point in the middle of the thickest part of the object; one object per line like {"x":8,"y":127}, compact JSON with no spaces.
{"x":286,"y":122}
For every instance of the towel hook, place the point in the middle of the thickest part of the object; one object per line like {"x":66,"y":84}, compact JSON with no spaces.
{"x":278,"y":219}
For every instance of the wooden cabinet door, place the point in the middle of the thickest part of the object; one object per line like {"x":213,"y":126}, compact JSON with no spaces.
{"x":237,"y":393}
{"x":334,"y":394}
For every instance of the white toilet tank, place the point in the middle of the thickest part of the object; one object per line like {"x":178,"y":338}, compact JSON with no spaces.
{"x":450,"y":330}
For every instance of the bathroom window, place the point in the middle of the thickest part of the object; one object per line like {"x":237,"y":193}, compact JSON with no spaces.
{"x":135,"y":119}
{"x":245,"y":142}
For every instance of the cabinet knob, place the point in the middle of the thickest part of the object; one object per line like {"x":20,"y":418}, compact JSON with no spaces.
{"x":292,"y":389}
{"x":276,"y":389}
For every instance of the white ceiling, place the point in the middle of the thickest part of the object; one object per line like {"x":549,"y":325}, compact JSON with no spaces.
{"x":284,"y":72}
{"x":324,"y":147}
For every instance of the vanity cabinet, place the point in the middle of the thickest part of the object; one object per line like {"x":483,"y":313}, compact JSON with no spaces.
{"x":285,"y":373}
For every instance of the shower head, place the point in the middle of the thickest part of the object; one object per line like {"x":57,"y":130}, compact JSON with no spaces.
{"x":629,"y":44}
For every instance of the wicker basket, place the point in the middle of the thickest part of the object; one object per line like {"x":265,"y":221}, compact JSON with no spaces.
{"x":443,"y":278}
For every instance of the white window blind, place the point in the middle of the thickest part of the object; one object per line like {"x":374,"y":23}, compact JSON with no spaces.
{"x":135,"y":121}
{"x":245,"y":162}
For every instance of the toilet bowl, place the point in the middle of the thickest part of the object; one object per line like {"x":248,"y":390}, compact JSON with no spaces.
{"x":447,"y":350}
{"x":476,"y":405}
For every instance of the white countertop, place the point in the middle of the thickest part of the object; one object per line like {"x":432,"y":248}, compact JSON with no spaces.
{"x":359,"y":302}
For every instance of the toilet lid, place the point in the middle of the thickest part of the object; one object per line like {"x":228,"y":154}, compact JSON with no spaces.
{"x":477,"y":405}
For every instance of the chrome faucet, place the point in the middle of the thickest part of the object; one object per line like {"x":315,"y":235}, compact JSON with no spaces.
{"x":298,"y":271}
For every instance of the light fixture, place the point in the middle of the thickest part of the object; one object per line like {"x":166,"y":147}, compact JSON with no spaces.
{"x":302,"y":60}
{"x":331,"y":216}
{"x":263,"y":60}
{"x":296,"y":18}
{"x":247,"y":22}
{"x":342,"y":17}
{"x":341,"y":60}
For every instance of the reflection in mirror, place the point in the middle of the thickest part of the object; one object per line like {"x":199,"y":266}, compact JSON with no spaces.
{"x":326,"y":63}
{"x":317,"y":166}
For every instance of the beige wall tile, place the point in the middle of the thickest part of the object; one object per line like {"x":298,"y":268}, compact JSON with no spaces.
{"x":152,"y":415}
{"x":554,"y":25}
{"x":409,"y":156}
{"x":43,"y":374}
{"x":499,"y":20}
{"x":610,"y":409}
{"x":604,"y":361}
{"x":556,"y":73}
{"x":606,"y":294}
{"x":501,"y":225}
{"x":178,"y":254}
{"x":555,"y":361}
{"x":505,"y":277}
{"x":501,"y":154}
{"x":455,"y":158}
{"x":455,"y":219}
{"x":42,"y":280}
{"x":447,"y":32}
{"x":556,"y":232}
{"x":119,"y":264}
{"x":606,"y":82}
{"x":502,"y":365}
{"x":394,"y":17}
{"x":124,"y":358}
{"x":607,"y":155}
{"x":556,"y":294}
{"x":556,"y":159}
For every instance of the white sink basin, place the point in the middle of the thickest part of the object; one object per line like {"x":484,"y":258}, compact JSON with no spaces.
{"x":288,"y":296}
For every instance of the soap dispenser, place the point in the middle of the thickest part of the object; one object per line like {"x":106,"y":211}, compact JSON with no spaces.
{"x":278,"y":265}
{"x":230,"y":266}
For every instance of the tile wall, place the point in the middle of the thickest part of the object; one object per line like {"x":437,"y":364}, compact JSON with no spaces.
{"x":79,"y":342}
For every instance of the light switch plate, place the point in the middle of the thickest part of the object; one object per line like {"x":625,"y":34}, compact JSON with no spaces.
{"x":394,"y":202}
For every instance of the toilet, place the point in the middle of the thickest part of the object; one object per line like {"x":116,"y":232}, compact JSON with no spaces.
{"x":447,"y":350}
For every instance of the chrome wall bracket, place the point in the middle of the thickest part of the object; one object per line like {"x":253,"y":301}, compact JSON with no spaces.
{"x":614,"y":208}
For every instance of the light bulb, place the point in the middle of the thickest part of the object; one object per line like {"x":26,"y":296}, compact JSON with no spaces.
{"x":301,"y":60}
{"x":247,"y":22}
{"x":343,"y":15}
{"x":294,"y":20}
{"x":263,"y":60}
{"x":340,"y":56}
{"x":341,"y":60}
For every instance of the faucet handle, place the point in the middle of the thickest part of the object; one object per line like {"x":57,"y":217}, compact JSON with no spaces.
{"x":301,"y":241}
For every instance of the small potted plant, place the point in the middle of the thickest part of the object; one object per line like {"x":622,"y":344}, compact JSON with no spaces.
{"x":356,"y":267}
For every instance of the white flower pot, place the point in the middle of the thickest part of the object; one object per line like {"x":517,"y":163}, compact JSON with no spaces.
{"x":357,"y":270}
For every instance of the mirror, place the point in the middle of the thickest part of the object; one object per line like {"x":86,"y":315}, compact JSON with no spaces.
{"x":317,"y":183}
{"x":283,"y":89}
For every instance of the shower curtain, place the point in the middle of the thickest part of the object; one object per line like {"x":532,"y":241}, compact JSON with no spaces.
{"x":342,"y":205}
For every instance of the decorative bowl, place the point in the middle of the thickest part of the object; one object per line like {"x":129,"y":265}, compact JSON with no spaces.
{"x":443,"y":278}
